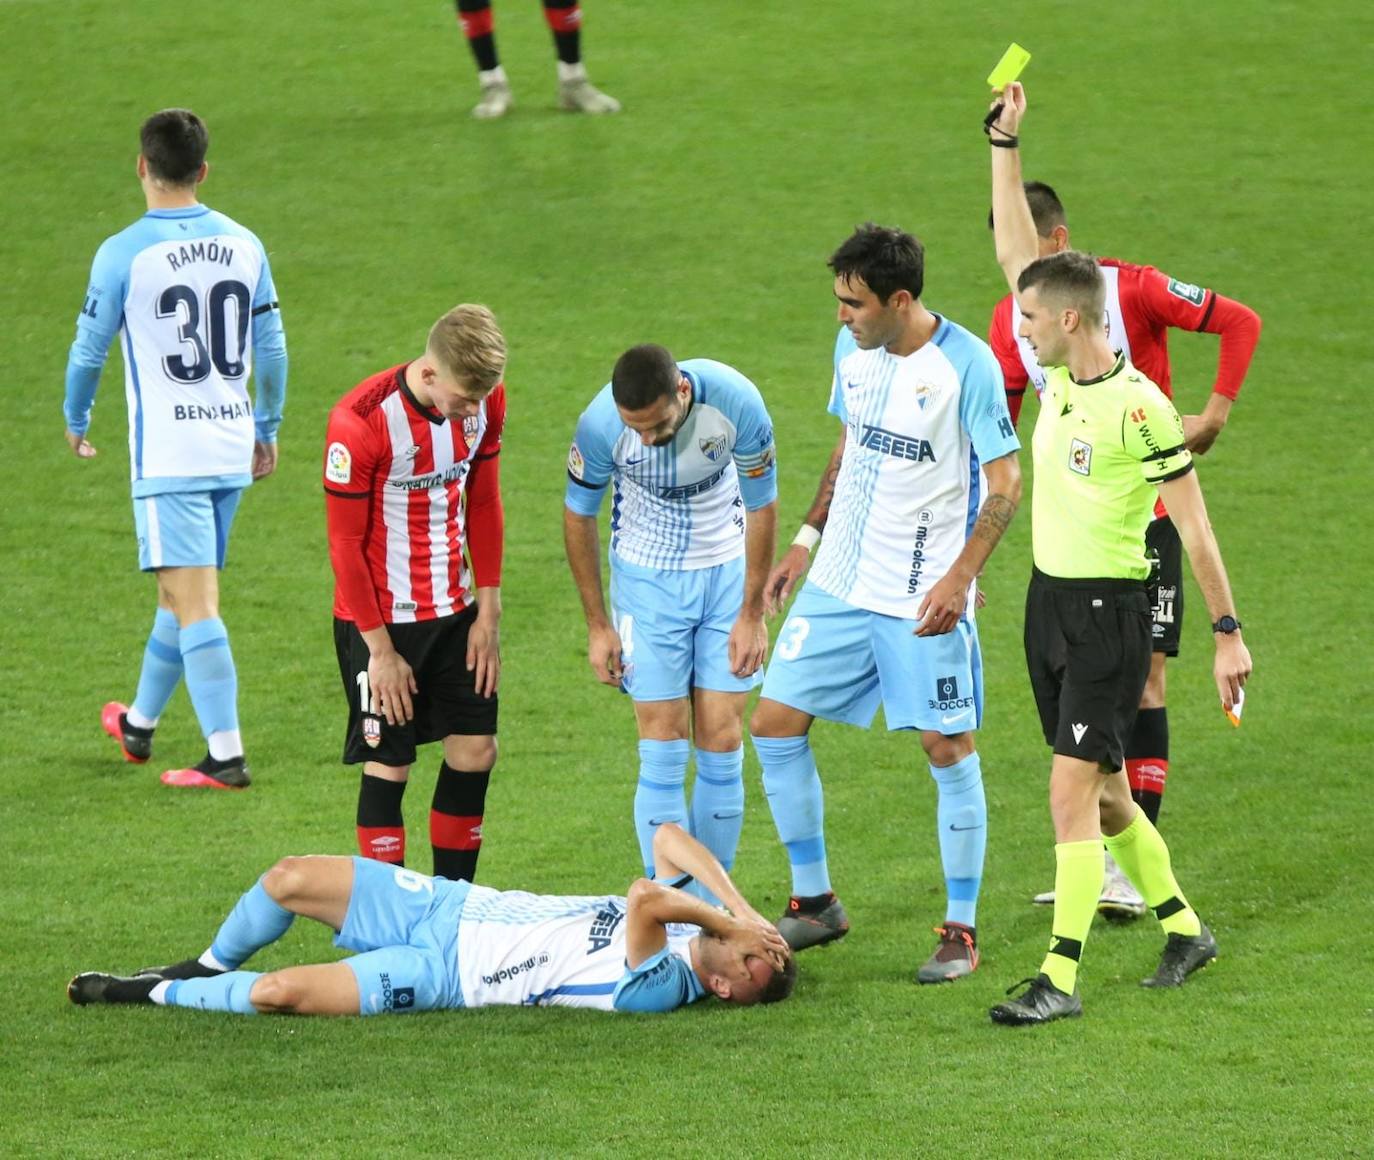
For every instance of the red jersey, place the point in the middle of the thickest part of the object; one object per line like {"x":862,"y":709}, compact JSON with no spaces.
{"x":405,"y":490}
{"x":1142,"y":304}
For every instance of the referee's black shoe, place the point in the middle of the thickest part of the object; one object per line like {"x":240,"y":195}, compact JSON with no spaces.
{"x":1040,"y":1002}
{"x":1183,"y":954}
{"x":93,"y":987}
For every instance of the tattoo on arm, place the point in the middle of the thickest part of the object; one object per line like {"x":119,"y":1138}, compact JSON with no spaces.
{"x":820,"y":506}
{"x":994,"y":519}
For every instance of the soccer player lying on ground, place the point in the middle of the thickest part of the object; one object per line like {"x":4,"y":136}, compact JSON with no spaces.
{"x":428,"y":943}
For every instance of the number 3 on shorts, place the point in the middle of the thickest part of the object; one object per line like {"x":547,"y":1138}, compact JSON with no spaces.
{"x":790,"y":641}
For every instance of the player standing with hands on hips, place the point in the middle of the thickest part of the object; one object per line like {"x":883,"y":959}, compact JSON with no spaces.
{"x":411,"y":482}
{"x":192,"y":293}
{"x":1105,"y":438}
{"x":688,"y":449}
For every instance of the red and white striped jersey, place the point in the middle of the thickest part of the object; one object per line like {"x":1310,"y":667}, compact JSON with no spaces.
{"x":402,"y":483}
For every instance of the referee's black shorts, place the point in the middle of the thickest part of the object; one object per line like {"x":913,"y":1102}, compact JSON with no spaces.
{"x":447,"y":703}
{"x":1165,"y":550}
{"x":1088,"y":652}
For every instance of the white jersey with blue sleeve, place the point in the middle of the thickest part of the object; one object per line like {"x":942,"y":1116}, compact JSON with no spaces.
{"x":521,"y":949}
{"x":680,"y":506}
{"x":192,"y":293}
{"x":916,"y":429}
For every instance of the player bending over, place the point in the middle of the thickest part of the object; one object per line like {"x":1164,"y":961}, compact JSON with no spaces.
{"x":428,"y":943}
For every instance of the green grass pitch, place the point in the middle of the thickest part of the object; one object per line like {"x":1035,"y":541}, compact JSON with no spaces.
{"x":1209,"y":139}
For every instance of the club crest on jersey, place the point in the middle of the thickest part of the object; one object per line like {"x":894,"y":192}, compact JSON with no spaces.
{"x":576,"y":464}
{"x":338,"y":464}
{"x":471,"y":426}
{"x":1081,"y":457}
{"x":713,"y":448}
{"x":372,"y":730}
{"x":923,"y":392}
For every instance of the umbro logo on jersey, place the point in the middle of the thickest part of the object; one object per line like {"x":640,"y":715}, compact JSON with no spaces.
{"x":1078,"y":731}
{"x":412,"y":451}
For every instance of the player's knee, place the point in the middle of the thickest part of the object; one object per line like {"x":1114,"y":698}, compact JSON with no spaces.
{"x":276,"y":994}
{"x":477,"y":754}
{"x":721,"y":737}
{"x":771,"y":719}
{"x":943,"y":750}
{"x":285,"y":881}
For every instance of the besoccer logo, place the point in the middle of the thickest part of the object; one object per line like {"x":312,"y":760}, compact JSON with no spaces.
{"x":947,"y":695}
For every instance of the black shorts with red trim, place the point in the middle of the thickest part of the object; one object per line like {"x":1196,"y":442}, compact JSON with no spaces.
{"x":1165,"y":550}
{"x":447,"y":702}
{"x":1088,"y":654}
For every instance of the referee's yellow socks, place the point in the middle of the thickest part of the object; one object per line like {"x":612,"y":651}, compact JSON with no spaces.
{"x":1141,"y":852}
{"x":1077,"y":887}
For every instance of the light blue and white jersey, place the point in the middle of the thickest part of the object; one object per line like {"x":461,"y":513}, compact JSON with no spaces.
{"x":192,"y":293}
{"x":516,"y":948}
{"x":680,"y":506}
{"x":916,"y":429}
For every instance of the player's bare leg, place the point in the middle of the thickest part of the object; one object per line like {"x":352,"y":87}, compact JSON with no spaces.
{"x":314,"y":886}
{"x":322,"y":989}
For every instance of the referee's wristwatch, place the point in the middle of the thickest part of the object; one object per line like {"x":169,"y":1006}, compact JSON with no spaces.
{"x":1226,"y":625}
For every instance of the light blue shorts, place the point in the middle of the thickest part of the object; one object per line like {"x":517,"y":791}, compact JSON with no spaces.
{"x":185,"y":529}
{"x":838,"y":662}
{"x":675,"y":627}
{"x":406,"y":925}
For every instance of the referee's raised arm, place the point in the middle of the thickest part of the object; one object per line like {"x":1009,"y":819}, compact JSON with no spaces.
{"x":1013,"y":228}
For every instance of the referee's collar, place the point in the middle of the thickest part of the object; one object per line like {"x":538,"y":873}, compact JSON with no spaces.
{"x":1117,"y":368}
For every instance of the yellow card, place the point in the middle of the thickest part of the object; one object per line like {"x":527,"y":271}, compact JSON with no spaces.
{"x":1233,"y":713}
{"x":1009,"y":67}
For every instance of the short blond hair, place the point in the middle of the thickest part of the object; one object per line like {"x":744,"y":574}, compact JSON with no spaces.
{"x":469,"y":345}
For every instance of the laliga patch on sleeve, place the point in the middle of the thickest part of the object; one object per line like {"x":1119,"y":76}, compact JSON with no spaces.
{"x":1187,"y":291}
{"x":338,"y":464}
{"x":576,"y":465}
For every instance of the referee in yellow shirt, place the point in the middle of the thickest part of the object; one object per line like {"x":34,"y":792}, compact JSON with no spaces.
{"x":1105,"y":440}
